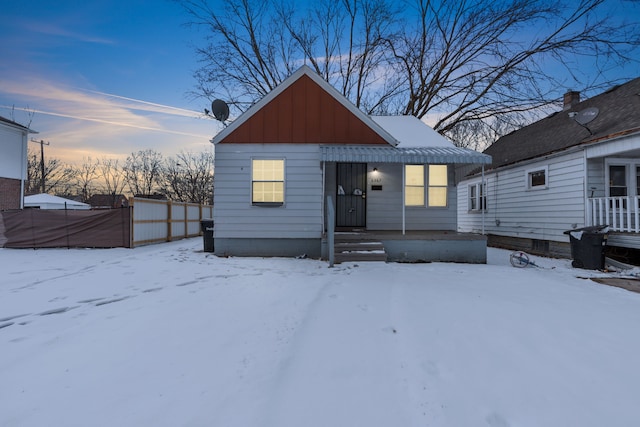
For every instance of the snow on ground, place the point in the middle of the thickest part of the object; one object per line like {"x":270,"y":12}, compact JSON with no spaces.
{"x":168,"y":335}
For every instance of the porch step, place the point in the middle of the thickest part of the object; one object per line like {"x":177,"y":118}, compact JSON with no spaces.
{"x":365,"y":250}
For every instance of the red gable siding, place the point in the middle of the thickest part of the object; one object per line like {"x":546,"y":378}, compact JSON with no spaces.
{"x":304,"y":113}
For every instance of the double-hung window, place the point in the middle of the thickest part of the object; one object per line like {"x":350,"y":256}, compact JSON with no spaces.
{"x":438,"y":183}
{"x":419,"y":191}
{"x":478,"y":197}
{"x":414,"y":185}
{"x":267,"y":182}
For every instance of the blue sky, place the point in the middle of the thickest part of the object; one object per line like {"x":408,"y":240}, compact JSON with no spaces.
{"x":109,"y":77}
{"x":104,"y":78}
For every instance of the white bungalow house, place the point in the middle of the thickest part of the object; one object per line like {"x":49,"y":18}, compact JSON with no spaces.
{"x":13,"y":163}
{"x":303,"y":171}
{"x":578,"y":167}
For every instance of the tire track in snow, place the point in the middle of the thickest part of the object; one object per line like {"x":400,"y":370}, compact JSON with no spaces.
{"x":325,"y":377}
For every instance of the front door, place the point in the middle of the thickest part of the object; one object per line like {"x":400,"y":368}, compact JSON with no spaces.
{"x":351,"y":195}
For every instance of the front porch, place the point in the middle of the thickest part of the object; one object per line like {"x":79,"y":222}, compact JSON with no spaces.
{"x":411,"y":246}
{"x":621,"y":214}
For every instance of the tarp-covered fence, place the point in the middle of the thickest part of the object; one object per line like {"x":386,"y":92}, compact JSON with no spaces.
{"x":36,"y":228}
{"x":144,"y":222}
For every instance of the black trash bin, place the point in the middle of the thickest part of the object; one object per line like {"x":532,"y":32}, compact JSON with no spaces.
{"x":587,"y":247}
{"x":206,"y":225}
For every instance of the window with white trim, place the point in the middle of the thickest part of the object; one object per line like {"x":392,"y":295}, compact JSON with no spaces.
{"x":617,"y":180}
{"x":622,"y":177}
{"x":267,"y":182}
{"x":478,"y":197}
{"x":537,"y":179}
{"x":414,"y":185}
{"x":438,"y":185}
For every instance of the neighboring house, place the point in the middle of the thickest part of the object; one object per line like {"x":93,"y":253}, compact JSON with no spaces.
{"x":304,"y":162}
{"x":108,"y":201}
{"x":578,"y":167}
{"x":47,"y":201}
{"x":13,"y":163}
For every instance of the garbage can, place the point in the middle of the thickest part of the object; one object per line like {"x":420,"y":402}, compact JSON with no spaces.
{"x":587,"y":246}
{"x":206,"y":225}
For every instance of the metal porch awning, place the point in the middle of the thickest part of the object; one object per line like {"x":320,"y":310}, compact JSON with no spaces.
{"x":412,"y":155}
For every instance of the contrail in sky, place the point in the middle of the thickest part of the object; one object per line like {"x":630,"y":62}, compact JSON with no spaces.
{"x":89,"y":119}
{"x":189,"y":113}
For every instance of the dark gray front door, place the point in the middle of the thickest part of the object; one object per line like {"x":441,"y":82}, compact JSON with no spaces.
{"x":351,"y":195}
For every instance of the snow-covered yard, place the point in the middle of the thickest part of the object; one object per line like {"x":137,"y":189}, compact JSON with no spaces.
{"x":168,"y":335}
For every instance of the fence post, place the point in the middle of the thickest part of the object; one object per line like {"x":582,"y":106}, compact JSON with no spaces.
{"x":186,"y":220}
{"x":131,"y":222}
{"x":330,"y":231}
{"x":169,"y":219}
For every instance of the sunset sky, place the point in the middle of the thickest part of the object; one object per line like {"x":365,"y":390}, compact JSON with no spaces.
{"x":105,"y":78}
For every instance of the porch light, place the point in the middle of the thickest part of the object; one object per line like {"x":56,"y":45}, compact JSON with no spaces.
{"x":375,"y":169}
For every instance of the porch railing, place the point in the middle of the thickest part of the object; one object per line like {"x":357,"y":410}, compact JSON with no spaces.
{"x":331,"y":221}
{"x":619,"y":213}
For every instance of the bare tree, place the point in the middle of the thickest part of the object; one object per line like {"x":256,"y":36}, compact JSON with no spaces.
{"x":143,"y":171}
{"x":189,"y":177}
{"x":255,"y":44}
{"x":57,"y":179}
{"x":451,"y":61}
{"x":345,"y":42}
{"x":465,"y":61}
{"x":112,"y":178}
{"x":85,"y":179}
{"x":479,"y":134}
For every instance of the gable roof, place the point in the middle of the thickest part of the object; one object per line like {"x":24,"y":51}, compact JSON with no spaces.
{"x":619,"y":114}
{"x":304,"y":108}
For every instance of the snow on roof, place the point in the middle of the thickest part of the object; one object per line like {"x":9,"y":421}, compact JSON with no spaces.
{"x":48,"y":199}
{"x":411,"y":132}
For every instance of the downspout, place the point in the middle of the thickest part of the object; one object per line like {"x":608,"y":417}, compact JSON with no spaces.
{"x":324,"y":213}
{"x":585,"y":179}
{"x":23,"y":173}
{"x":482,"y":195}
{"x":403,"y":199}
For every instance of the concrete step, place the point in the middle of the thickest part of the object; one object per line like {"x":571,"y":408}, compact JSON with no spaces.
{"x":359,"y":251}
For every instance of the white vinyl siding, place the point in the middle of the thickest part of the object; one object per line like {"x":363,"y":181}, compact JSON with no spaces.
{"x":543,"y":215}
{"x":384,"y":208}
{"x":234,"y":214}
{"x":13,"y":146}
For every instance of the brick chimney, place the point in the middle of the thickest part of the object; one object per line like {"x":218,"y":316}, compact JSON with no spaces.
{"x":571,"y":98}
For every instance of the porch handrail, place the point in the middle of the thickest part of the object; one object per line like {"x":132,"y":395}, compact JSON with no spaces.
{"x":620,"y":213}
{"x":331,"y":221}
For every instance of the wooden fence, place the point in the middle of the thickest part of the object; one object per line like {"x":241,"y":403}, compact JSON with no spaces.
{"x":155,"y":221}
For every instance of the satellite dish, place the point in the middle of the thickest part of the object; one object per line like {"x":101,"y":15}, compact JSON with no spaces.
{"x":587,"y":115}
{"x":220,"y":110}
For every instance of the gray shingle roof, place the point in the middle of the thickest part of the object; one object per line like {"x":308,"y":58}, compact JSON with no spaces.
{"x":619,"y":113}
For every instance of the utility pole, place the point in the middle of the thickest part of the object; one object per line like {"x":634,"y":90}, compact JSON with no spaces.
{"x":42,"y":144}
